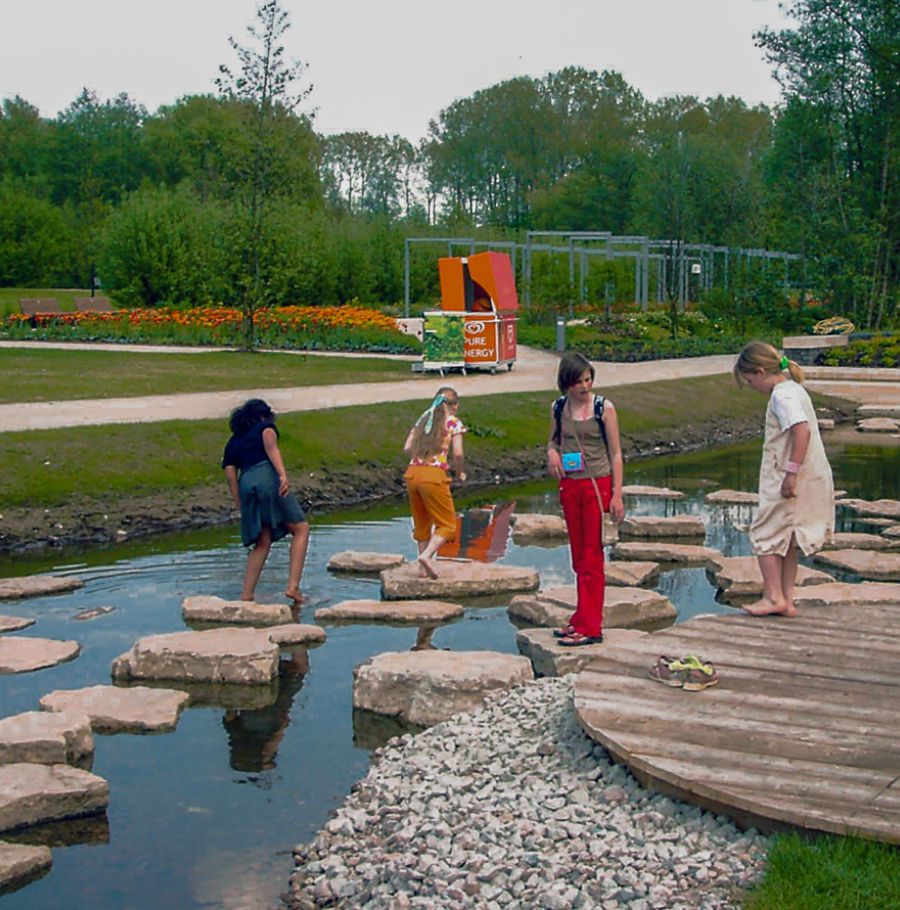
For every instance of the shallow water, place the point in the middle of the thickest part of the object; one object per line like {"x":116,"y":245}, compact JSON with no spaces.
{"x":206,"y":817}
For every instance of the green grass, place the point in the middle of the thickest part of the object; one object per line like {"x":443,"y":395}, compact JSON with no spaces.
{"x":48,"y":467}
{"x":829,"y":873}
{"x":9,"y":297}
{"x":61,"y":375}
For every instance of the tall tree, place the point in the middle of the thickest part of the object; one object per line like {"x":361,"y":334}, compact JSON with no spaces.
{"x":266,"y":84}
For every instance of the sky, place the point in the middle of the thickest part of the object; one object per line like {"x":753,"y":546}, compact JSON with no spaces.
{"x":384,"y":66}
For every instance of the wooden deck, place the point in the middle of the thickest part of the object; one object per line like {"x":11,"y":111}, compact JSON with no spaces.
{"x":803,"y":729}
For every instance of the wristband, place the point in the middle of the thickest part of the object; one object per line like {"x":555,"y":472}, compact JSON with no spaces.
{"x":792,"y":467}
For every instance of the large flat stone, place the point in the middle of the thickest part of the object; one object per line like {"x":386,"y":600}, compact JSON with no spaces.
{"x":211,"y":609}
{"x":296,"y":633}
{"x":427,"y":687}
{"x":227,"y":655}
{"x":549,"y":658}
{"x":32,"y":793}
{"x":14,"y":623}
{"x":358,"y":562}
{"x":624,"y":608}
{"x":21,"y":864}
{"x":456,"y":579}
{"x":878,"y":508}
{"x":535,"y":610}
{"x":864,"y":594}
{"x":47,"y":739}
{"x":740,"y":576}
{"x":732,"y":498}
{"x":114,"y":709}
{"x":878,"y":425}
{"x":850,"y":540}
{"x":865,"y":563}
{"x":628,"y":574}
{"x":655,"y":526}
{"x":36,"y":586}
{"x":412,"y":612}
{"x":536,"y":525}
{"x":892,"y":532}
{"x":678,"y":553}
{"x":651,"y":492}
{"x":21,"y":654}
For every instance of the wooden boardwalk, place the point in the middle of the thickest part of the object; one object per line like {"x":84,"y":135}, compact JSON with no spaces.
{"x":803,"y":729}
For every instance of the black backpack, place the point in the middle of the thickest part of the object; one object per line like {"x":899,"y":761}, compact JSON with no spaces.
{"x":558,"y":406}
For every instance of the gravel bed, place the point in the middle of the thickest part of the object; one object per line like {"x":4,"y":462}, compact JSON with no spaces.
{"x":514,"y":807}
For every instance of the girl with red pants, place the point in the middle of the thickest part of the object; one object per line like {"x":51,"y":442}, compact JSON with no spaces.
{"x":584,"y":453}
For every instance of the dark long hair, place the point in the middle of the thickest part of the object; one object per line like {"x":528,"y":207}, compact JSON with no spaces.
{"x":250,"y":413}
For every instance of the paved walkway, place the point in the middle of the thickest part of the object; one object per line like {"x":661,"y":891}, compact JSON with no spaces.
{"x":534,"y":371}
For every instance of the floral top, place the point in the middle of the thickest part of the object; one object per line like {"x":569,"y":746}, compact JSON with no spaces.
{"x":453,"y":427}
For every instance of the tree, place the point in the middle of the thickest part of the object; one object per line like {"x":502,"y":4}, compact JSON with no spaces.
{"x":265,"y":86}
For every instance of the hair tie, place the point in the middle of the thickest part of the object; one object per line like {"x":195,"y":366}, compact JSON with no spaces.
{"x":438,"y":401}
{"x":785,"y":363}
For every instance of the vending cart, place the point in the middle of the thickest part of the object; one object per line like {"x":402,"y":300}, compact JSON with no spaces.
{"x":478,"y":303}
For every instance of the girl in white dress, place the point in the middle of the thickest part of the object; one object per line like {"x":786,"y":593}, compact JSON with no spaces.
{"x":796,"y":491}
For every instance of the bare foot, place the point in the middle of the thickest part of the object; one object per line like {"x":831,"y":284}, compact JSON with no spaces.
{"x":766,"y":607}
{"x":425,"y":564}
{"x":428,"y":647}
{"x":295,"y":595}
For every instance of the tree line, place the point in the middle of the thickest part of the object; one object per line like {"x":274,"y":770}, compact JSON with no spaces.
{"x":157,"y":204}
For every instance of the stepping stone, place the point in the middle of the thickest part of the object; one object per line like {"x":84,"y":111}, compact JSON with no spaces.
{"x":536,"y":525}
{"x":631,"y":574}
{"x":296,"y":633}
{"x":93,"y":613}
{"x":848,"y":540}
{"x":549,"y":658}
{"x":739,"y":576}
{"x":653,"y":526}
{"x":19,"y":654}
{"x":865,"y":563}
{"x":427,"y":687}
{"x":879,"y":410}
{"x":237,"y":612}
{"x":841,"y":593}
{"x":825,"y":423}
{"x":652,"y":492}
{"x":682,"y":554}
{"x":14,"y":623}
{"x":412,"y":612}
{"x":883,"y":523}
{"x":229,"y":655}
{"x":456,"y":579}
{"x":892,"y":532}
{"x":47,"y":739}
{"x":113,"y":709}
{"x":878,"y":508}
{"x":624,"y":608}
{"x":21,"y":864}
{"x":36,"y":586}
{"x":361,"y":563}
{"x":878,"y":425}
{"x":732,"y":498}
{"x":31,"y":794}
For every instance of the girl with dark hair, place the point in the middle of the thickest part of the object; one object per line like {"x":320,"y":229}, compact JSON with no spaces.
{"x":584,"y":454}
{"x":436,"y":435}
{"x":258,"y":482}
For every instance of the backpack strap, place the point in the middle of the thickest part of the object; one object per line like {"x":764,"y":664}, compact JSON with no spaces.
{"x":598,"y":413}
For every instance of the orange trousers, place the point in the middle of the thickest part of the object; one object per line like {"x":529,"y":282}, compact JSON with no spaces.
{"x":430,"y":502}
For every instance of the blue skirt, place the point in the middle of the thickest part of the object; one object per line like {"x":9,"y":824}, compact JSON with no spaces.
{"x":262,"y":507}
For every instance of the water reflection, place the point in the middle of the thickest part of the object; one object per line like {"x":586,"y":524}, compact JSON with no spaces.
{"x":207,"y":816}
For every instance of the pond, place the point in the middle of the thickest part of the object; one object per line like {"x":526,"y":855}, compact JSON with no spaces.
{"x":207,"y":816}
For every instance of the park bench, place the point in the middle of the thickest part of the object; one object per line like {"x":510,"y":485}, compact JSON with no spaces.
{"x":31,"y":306}
{"x":93,"y":305}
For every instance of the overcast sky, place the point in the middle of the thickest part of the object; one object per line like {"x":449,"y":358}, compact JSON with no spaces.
{"x":386,"y":66}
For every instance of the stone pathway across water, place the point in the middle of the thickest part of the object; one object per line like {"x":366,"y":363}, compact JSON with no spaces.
{"x":514,"y":807}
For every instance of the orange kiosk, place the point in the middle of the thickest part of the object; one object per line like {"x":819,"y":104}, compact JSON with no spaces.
{"x":478,"y":295}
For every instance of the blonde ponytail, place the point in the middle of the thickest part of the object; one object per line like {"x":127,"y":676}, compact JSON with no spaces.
{"x":759,"y":355}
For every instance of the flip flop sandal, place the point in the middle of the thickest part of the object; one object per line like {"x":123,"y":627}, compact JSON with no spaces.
{"x":577,"y":640}
{"x":564,"y":632}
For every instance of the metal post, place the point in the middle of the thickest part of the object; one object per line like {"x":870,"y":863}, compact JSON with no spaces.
{"x":560,"y":334}
{"x":406,"y":278}
{"x":571,"y":278}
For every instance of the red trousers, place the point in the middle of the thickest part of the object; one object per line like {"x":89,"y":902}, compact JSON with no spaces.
{"x":584,"y":521}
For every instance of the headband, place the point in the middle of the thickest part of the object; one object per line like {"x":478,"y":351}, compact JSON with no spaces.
{"x":429,"y":412}
{"x":784,"y":362}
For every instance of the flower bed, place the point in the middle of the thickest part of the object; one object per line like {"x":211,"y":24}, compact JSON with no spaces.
{"x":341,"y":328}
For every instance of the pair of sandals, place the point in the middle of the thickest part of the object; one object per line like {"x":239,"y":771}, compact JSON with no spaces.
{"x":568,"y":637}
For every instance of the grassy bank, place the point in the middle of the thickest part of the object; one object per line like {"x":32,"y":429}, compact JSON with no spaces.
{"x":65,"y":375}
{"x":46,"y":467}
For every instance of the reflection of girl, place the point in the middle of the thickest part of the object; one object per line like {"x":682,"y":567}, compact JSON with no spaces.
{"x":436,"y":434}
{"x":259,"y":486}
{"x":796,"y":492}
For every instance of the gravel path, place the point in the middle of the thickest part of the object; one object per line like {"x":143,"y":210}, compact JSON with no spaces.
{"x":514,"y":807}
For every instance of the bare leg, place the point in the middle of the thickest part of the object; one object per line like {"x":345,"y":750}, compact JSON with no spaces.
{"x":789,"y":576}
{"x":256,"y":559}
{"x":773,"y":601}
{"x":297,"y":558}
{"x":426,"y":555}
{"x":423,"y":639}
